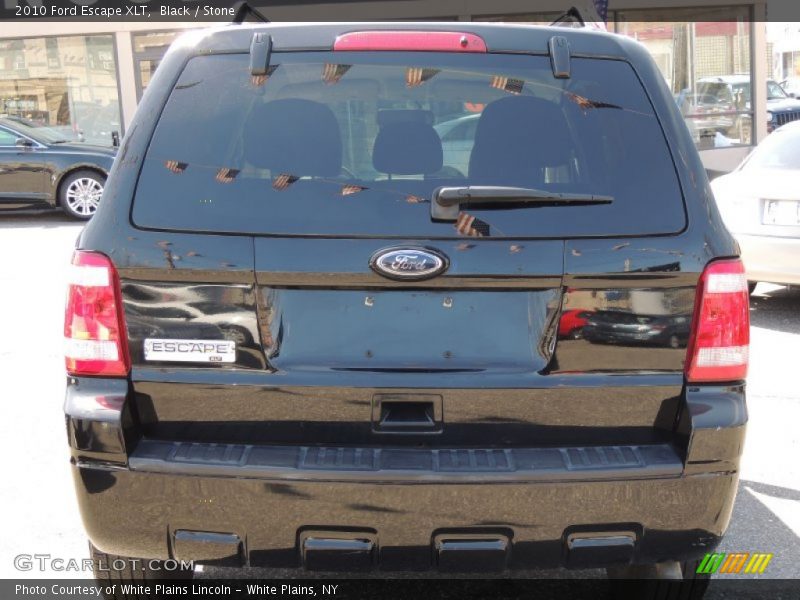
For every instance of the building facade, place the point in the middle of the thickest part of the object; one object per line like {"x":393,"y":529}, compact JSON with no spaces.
{"x":85,"y":79}
{"x":785,"y":50}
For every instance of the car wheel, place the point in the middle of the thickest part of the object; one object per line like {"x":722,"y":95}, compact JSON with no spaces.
{"x":112,"y":570}
{"x":80,"y":193}
{"x":648,"y":582}
{"x":236,"y":334}
{"x":674,"y":342}
{"x":576,"y":333}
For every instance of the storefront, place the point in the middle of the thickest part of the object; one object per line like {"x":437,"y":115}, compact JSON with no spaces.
{"x":69,"y":83}
{"x":85,"y":79}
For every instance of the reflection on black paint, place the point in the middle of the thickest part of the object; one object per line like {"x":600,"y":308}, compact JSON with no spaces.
{"x":193,"y":311}
{"x":97,"y":480}
{"x":624,"y":328}
{"x":653,"y":322}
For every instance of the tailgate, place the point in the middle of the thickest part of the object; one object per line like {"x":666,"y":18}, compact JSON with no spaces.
{"x":332,"y":157}
{"x":492,"y":353}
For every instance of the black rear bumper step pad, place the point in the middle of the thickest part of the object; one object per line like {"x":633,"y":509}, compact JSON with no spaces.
{"x":406,"y":464}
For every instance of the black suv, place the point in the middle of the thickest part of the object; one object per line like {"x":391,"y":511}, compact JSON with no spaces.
{"x":297,"y":337}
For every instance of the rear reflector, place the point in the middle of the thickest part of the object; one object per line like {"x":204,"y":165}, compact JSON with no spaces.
{"x":94,"y":328}
{"x":720,"y":340}
{"x":410,"y":41}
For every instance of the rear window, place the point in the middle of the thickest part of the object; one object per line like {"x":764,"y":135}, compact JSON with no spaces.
{"x":355,"y":143}
{"x":779,"y":150}
{"x":714,"y":93}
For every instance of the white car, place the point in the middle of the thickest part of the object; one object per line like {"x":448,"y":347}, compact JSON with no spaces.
{"x":458,"y":138}
{"x":760,"y":204}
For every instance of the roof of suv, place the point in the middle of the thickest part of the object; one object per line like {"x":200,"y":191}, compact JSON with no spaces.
{"x":499,"y":37}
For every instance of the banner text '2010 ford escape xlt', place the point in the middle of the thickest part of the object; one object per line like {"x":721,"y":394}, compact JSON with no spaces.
{"x":407,"y":296}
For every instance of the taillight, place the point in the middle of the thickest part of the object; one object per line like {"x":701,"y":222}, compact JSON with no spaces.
{"x":720,"y":340}
{"x":420,"y":41}
{"x":94,"y":327}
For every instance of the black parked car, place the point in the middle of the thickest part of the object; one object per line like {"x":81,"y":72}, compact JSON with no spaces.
{"x":631,"y":328}
{"x":405,"y":401}
{"x":40,"y":168}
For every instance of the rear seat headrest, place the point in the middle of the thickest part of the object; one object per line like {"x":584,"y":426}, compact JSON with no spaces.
{"x":517,"y":137}
{"x":407,"y":144}
{"x":296,"y":137}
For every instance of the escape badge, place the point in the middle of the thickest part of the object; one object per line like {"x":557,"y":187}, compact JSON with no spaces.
{"x":205,"y":351}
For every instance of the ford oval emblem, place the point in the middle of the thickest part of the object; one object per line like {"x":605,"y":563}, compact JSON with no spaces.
{"x":409,"y":264}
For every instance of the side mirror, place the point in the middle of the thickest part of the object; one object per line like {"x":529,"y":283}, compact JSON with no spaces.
{"x":792,"y":94}
{"x":23,"y":143}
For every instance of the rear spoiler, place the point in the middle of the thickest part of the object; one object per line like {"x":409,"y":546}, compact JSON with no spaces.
{"x":591,"y":14}
{"x":569,"y":18}
{"x":242,"y":10}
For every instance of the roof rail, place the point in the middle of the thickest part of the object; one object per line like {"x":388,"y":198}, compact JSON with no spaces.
{"x":242,"y":10}
{"x":569,"y":19}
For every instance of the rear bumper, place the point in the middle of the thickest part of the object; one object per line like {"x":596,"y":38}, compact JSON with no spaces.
{"x":263,"y":522}
{"x":771,"y":259}
{"x":405,"y":509}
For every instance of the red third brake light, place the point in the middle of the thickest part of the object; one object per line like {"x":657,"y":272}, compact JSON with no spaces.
{"x":94,"y":328}
{"x":720,"y":339}
{"x":419,"y":41}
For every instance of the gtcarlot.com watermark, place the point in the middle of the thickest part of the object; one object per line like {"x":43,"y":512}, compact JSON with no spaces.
{"x":48,"y":562}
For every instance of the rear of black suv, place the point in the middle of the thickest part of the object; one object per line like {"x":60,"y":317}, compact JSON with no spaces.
{"x":307,"y":330}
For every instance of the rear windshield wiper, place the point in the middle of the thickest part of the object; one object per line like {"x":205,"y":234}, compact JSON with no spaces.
{"x":447,"y":201}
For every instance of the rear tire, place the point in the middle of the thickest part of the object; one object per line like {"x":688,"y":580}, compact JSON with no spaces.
{"x":113,"y":570}
{"x":646,"y":583}
{"x":80,"y":192}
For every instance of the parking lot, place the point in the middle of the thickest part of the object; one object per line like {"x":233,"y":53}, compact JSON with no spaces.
{"x":40,"y":513}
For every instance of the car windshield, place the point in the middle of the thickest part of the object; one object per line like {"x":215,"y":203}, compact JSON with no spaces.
{"x":780,"y":150}
{"x":356,"y":143}
{"x":40,"y":133}
{"x":775,"y":91}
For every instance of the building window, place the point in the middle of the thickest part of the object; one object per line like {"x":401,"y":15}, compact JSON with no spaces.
{"x":789,"y":73}
{"x":543,"y":18}
{"x":704,"y":55}
{"x":67,"y":83}
{"x":148,"y":50}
